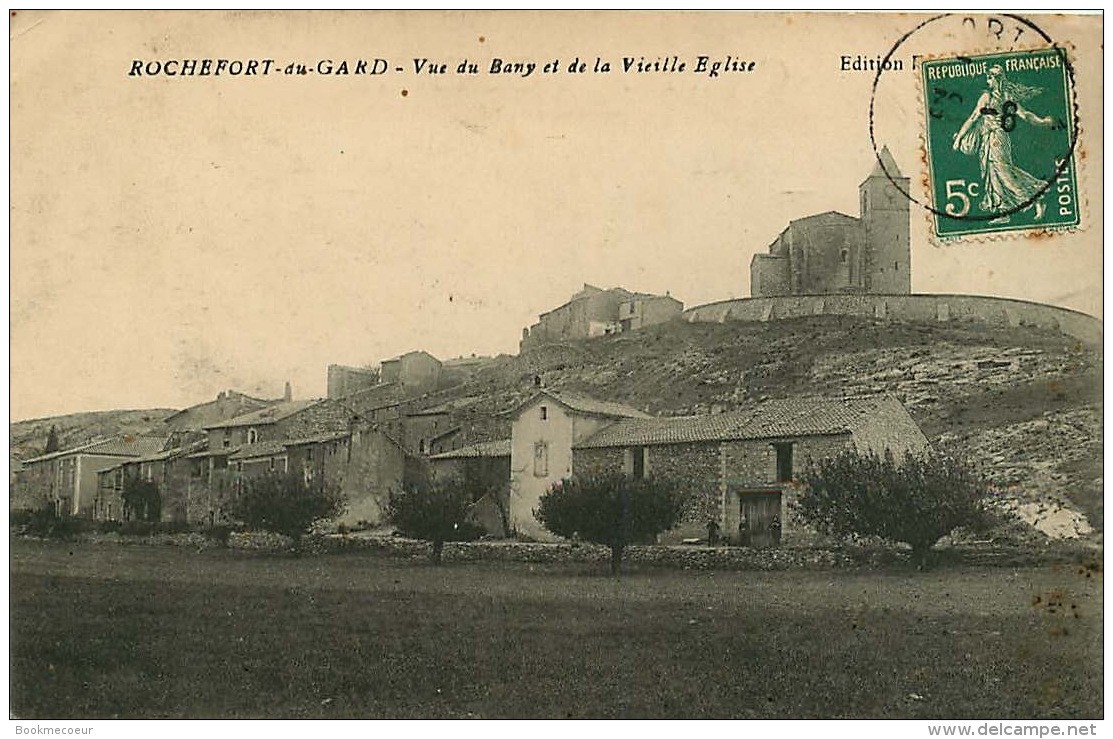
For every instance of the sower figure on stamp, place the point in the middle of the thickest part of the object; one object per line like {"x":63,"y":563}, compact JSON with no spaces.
{"x":986,"y":135}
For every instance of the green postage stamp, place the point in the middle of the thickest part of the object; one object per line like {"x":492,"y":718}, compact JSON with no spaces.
{"x":1000,"y":136}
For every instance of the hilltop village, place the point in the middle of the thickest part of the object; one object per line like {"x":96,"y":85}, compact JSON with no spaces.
{"x":387,"y":425}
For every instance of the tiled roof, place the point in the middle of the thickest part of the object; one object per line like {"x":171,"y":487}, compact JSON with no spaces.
{"x":809,"y":416}
{"x":830,"y":215}
{"x":264,"y":416}
{"x":260,"y":449}
{"x":120,"y":446}
{"x":584,"y":404}
{"x":646,"y":431}
{"x":169,"y":453}
{"x":773,"y":419}
{"x":218,"y":452}
{"x":482,"y":449}
{"x":317,"y":439}
{"x":448,"y":406}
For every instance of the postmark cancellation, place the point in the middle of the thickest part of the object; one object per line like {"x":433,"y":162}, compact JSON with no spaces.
{"x":1000,"y":138}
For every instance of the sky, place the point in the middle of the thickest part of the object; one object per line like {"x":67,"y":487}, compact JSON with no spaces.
{"x":172,"y":237}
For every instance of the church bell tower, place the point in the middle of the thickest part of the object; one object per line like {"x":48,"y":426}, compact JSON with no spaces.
{"x":887,"y":256}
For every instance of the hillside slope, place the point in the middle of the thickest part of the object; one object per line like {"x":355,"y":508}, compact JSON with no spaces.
{"x":27,"y":439}
{"x":1023,"y":403}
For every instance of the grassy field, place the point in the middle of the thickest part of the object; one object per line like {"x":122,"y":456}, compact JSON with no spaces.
{"x":104,"y":631}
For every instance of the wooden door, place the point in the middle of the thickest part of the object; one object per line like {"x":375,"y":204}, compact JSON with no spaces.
{"x":759,"y":518}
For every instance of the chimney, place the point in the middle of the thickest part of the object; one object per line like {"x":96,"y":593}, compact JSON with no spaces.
{"x":288,"y":395}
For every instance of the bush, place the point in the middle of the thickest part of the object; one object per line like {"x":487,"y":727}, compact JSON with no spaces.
{"x":286,"y":504}
{"x":436,"y":512}
{"x":917,"y":502}
{"x":612,"y":510}
{"x":46,"y":522}
{"x":142,"y":501}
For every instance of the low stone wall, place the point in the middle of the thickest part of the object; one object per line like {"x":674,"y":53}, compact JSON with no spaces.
{"x":921,"y":308}
{"x":1085,"y":556}
{"x":675,"y":557}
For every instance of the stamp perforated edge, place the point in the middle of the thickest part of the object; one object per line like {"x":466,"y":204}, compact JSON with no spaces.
{"x":1078,"y":160}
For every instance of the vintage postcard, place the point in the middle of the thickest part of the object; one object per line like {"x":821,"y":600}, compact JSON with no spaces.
{"x":452,"y":364}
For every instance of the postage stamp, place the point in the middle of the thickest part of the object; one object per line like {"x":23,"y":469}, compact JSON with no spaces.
{"x":1000,"y":143}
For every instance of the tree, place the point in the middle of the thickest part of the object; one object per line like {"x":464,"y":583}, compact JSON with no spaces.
{"x":52,"y":444}
{"x":917,"y":501}
{"x":285,"y":503}
{"x":435,"y":511}
{"x":610,"y":509}
{"x":142,"y":501}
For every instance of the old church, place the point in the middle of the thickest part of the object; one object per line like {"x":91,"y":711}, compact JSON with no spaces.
{"x":833,"y":253}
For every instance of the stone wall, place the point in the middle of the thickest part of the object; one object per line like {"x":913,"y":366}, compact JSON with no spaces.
{"x":753,"y":464}
{"x":696,"y":467}
{"x":922,"y":308}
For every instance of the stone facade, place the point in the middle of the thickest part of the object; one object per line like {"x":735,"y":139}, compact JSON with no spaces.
{"x":697,"y":467}
{"x":543,"y":431}
{"x":416,"y":372}
{"x":343,"y":381}
{"x":833,"y":253}
{"x":68,"y":480}
{"x":227,"y":404}
{"x":737,"y":471}
{"x":597,"y":312}
{"x":974,"y":309}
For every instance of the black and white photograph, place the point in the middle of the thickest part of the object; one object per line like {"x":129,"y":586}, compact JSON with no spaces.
{"x":556,"y":365}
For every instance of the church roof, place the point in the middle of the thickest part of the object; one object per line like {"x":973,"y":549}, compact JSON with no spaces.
{"x":885,"y":165}
{"x":830,"y":215}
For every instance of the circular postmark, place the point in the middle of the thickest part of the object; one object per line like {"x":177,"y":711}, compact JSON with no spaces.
{"x":989,"y":108}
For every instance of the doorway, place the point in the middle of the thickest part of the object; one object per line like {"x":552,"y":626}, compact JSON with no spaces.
{"x":759,"y":518}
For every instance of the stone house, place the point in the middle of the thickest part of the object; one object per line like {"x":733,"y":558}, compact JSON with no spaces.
{"x":67,"y":479}
{"x":485,"y":467}
{"x":179,"y":485}
{"x":544,"y":429}
{"x":343,"y":380}
{"x":367,"y":464}
{"x":407,"y":375}
{"x":738,"y":469}
{"x":416,"y":372}
{"x":227,"y":404}
{"x":286,"y":420}
{"x":450,"y":425}
{"x":832,"y":253}
{"x":594,"y":311}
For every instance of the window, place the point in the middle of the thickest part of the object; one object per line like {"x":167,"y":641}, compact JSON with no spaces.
{"x":637,"y":471}
{"x":844,"y":255}
{"x":541,"y":459}
{"x":272,"y":464}
{"x":544,"y":413}
{"x":784,"y":461}
{"x":252,"y":436}
{"x":227,"y":438}
{"x":896,"y":266}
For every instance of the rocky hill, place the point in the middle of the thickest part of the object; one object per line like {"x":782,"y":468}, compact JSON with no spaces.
{"x":27,"y":439}
{"x":1023,"y":403}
